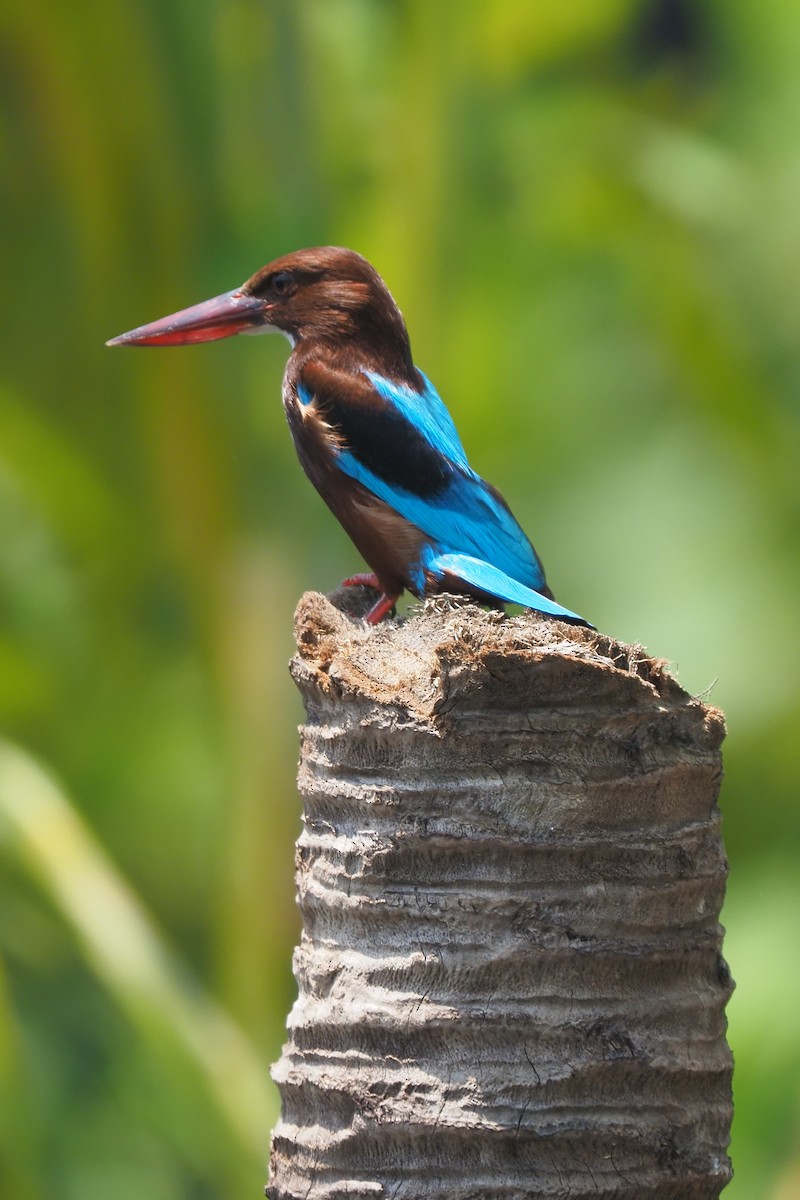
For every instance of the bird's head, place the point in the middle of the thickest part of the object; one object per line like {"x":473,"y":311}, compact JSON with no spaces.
{"x":326,"y":294}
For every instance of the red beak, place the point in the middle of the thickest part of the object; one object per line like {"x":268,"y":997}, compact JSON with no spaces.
{"x":232,"y":312}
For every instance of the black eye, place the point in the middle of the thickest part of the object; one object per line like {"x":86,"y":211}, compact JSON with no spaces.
{"x":281,"y":283}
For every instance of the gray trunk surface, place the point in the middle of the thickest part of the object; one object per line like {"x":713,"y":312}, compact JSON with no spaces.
{"x":510,"y":876}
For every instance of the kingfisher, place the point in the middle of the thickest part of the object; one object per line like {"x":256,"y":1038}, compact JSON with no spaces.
{"x":372,"y":433}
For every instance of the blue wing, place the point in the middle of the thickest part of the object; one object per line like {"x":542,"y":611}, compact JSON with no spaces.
{"x":463,"y":518}
{"x":400,"y":444}
{"x":464,"y":515}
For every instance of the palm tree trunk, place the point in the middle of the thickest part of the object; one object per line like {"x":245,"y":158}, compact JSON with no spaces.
{"x":510,"y":875}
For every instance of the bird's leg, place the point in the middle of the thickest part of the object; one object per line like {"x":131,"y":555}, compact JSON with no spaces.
{"x":383,"y":606}
{"x":362,"y":581}
{"x":379,"y":610}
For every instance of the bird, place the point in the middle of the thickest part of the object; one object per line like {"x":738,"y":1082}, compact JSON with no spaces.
{"x":372,"y":433}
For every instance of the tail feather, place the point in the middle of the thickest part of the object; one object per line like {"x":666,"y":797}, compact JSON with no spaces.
{"x":494,"y":582}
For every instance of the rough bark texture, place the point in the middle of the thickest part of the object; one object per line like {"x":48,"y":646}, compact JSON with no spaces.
{"x":510,"y":875}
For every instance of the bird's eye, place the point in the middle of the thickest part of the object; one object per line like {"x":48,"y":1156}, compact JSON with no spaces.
{"x":281,"y":283}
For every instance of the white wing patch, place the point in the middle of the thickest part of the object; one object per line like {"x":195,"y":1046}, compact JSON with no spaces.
{"x":306,"y":404}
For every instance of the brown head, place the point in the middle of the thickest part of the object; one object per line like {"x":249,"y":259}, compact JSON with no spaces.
{"x":326,"y":294}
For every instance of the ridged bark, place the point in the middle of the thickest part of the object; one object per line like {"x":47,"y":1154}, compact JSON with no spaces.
{"x":510,"y":875}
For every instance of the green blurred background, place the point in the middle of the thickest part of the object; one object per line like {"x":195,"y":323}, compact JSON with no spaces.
{"x":590,"y":216}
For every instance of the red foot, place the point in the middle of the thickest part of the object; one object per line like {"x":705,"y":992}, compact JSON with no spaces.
{"x":362,"y":581}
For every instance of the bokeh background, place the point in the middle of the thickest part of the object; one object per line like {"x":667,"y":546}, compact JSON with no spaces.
{"x":590,"y":216}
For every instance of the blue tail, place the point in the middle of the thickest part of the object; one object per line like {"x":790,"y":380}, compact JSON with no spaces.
{"x":494,"y":582}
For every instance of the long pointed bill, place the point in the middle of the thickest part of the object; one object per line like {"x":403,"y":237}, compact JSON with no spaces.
{"x":221,"y":317}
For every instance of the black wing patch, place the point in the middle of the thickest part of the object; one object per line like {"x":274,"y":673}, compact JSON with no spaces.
{"x":375,"y":432}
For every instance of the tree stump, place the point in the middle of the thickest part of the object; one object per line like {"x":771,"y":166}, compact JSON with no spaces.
{"x":510,"y":876}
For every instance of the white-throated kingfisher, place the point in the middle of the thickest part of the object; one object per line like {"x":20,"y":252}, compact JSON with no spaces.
{"x":371,"y":432}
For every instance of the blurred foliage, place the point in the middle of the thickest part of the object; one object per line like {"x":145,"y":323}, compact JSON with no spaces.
{"x":588,"y":214}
